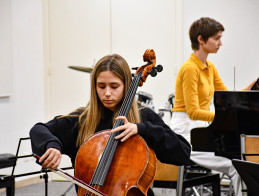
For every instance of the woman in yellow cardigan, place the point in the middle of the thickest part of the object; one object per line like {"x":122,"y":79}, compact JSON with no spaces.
{"x":196,"y":82}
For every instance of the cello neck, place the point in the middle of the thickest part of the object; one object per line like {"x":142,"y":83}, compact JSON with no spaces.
{"x":126,"y":105}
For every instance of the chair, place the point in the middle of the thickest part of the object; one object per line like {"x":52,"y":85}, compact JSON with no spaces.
{"x":176,"y":177}
{"x":250,"y":147}
{"x":7,"y":181}
{"x":249,"y":172}
{"x":166,"y":175}
{"x":249,"y":152}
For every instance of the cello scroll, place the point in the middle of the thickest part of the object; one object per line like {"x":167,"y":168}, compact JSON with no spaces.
{"x":149,"y":68}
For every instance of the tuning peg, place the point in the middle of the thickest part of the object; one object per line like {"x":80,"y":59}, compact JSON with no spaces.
{"x":153,"y":73}
{"x":134,"y":68}
{"x":159,"y":68}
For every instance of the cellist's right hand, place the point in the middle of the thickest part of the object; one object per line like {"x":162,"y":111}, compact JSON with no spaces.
{"x":51,"y":158}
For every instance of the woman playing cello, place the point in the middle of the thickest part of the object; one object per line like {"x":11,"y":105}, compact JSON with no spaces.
{"x":110,"y":81}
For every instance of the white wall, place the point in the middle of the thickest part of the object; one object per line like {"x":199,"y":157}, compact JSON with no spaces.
{"x":26,"y":104}
{"x":149,"y":26}
{"x":78,"y":34}
{"x":240,"y":47}
{"x":6,"y":71}
{"x":82,"y":32}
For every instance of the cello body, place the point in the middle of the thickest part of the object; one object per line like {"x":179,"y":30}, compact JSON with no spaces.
{"x":119,"y":168}
{"x":131,"y":173}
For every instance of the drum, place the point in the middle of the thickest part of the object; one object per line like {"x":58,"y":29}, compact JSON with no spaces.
{"x":171,"y":100}
{"x":168,"y":106}
{"x":145,"y":98}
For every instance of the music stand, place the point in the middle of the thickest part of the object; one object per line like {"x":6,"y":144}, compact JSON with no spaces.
{"x":249,"y":172}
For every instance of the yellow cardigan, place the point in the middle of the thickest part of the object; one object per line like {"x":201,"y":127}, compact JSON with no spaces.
{"x":194,"y":88}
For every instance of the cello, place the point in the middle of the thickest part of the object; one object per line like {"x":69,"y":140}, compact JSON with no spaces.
{"x":116,"y":168}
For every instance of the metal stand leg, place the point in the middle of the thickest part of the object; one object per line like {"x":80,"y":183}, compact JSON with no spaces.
{"x":10,"y":186}
{"x":179,"y":188}
{"x":46,"y":177}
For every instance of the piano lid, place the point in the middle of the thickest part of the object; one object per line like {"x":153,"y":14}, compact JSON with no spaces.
{"x":236,"y":112}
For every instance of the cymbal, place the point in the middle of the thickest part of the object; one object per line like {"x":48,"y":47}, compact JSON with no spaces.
{"x":81,"y":68}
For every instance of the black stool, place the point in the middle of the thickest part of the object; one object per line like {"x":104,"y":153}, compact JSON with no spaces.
{"x":7,"y":160}
{"x":202,"y":175}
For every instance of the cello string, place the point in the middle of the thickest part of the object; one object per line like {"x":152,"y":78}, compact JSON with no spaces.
{"x":113,"y":147}
{"x":125,"y":109}
{"x":111,"y":142}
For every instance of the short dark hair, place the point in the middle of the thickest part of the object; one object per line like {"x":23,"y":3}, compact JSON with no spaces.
{"x":206,"y":27}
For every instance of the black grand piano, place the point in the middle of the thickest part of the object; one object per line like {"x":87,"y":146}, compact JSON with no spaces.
{"x":236,"y":112}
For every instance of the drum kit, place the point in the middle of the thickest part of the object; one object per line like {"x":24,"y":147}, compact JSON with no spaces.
{"x":145,"y":98}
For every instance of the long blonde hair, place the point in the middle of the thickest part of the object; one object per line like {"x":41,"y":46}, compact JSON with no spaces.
{"x":91,"y":115}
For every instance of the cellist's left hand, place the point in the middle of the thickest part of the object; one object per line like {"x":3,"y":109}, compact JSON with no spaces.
{"x":130,"y":129}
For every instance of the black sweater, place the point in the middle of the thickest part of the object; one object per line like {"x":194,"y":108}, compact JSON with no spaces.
{"x":61,"y":133}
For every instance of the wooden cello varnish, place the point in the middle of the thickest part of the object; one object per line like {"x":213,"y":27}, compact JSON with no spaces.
{"x":132,"y":171}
